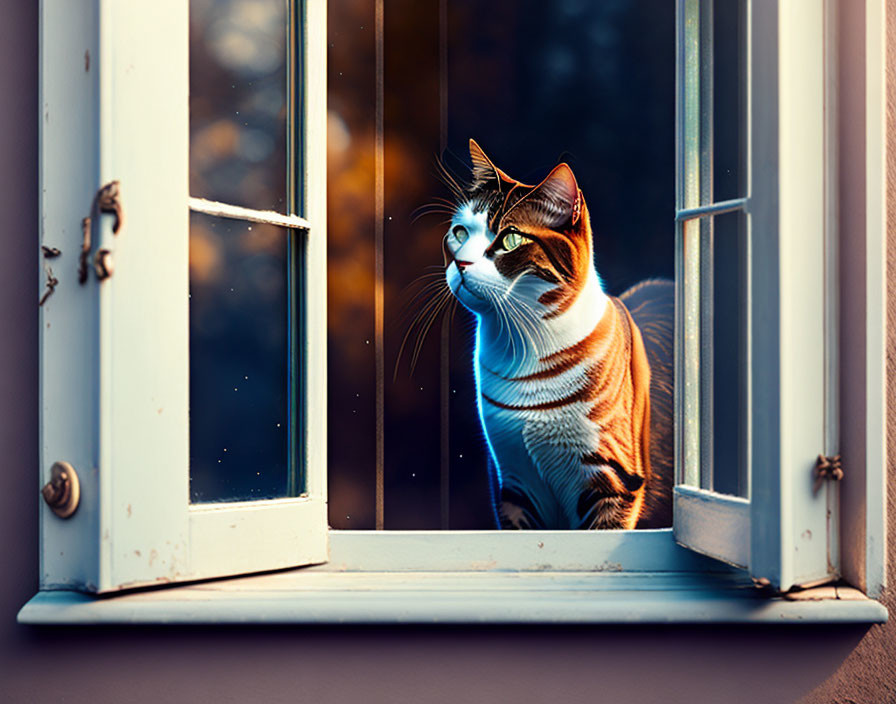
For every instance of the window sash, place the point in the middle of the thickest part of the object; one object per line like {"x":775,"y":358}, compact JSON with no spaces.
{"x":114,"y":372}
{"x":790,"y":532}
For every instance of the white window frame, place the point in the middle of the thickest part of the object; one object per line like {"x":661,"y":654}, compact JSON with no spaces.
{"x":612,"y":576}
{"x":790,"y":337}
{"x":114,"y":354}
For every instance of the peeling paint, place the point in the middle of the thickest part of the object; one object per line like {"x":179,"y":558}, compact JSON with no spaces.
{"x":152,"y":557}
{"x":129,"y":510}
{"x":483,"y":565}
{"x":608,"y":566}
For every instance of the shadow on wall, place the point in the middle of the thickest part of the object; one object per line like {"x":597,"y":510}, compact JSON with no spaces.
{"x":637,"y":664}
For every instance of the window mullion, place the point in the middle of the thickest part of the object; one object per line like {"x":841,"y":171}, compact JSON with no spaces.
{"x":687,"y":387}
{"x":236,"y":212}
{"x":706,"y":287}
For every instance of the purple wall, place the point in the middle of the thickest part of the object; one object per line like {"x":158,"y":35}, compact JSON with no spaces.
{"x":641,"y":664}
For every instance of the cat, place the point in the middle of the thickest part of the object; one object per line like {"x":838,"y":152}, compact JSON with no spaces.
{"x":575,"y":403}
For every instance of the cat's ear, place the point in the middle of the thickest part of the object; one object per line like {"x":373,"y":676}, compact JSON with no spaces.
{"x":485,"y":173}
{"x":555,"y":202}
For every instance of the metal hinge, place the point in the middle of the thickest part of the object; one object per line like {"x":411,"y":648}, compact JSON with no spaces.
{"x":827,"y":467}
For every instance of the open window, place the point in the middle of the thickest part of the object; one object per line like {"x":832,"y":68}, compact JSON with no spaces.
{"x":757,"y":340}
{"x":761,"y":312}
{"x":115,"y":349}
{"x":767,"y":501}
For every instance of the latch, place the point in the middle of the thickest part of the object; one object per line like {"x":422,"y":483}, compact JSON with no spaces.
{"x":106,"y":200}
{"x":827,"y":468}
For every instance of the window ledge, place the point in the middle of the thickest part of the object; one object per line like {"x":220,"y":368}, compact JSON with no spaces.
{"x":319,"y":596}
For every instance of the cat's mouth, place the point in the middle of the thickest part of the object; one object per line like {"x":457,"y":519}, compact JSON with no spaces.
{"x":467,"y":289}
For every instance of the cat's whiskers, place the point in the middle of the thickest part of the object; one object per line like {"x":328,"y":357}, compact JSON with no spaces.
{"x":439,"y":307}
{"x":527,"y":339}
{"x":449,"y":179}
{"x":423,"y":211}
{"x":531,"y":319}
{"x":515,"y":282}
{"x":504,"y":323}
{"x":436,"y":294}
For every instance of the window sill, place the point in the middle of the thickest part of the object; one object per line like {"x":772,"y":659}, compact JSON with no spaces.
{"x":323,"y":596}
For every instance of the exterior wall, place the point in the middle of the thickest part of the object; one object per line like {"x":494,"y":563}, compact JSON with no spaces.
{"x":642,"y":664}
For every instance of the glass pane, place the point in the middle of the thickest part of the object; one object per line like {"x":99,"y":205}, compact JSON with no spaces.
{"x":592,"y":85}
{"x":351,"y":384}
{"x":239,"y":331}
{"x":238,"y":83}
{"x":729,"y":86}
{"x":723,"y":354}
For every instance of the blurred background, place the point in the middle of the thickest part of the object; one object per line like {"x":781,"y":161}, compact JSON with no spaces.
{"x":534,"y":83}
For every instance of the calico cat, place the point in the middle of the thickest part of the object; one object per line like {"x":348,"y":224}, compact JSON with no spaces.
{"x":578,"y":426}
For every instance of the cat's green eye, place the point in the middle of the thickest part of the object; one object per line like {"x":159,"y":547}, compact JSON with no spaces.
{"x":460,"y":233}
{"x":512,"y":240}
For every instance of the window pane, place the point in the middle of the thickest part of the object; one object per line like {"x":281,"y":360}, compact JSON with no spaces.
{"x":728,"y":47}
{"x":723,"y":405}
{"x":593,"y":86}
{"x":239,"y":329}
{"x":730,"y":354}
{"x":238,"y":59}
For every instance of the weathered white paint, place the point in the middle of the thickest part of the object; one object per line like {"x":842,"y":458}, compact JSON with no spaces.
{"x":788,"y":519}
{"x":713,"y":524}
{"x":876,"y":296}
{"x":789,"y":525}
{"x":317,"y":595}
{"x":801,"y":86}
{"x":555,"y":550}
{"x":315,"y":210}
{"x":68,"y":341}
{"x":115,"y":389}
{"x":832,"y":51}
{"x":143,"y":316}
{"x":245,"y":537}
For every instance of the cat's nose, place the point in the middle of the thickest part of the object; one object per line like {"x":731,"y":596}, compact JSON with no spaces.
{"x":462,"y":264}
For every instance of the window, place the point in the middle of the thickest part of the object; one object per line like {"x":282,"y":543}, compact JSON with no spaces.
{"x":135,"y":525}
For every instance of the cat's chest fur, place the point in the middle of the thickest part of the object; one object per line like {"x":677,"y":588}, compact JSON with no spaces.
{"x":537,"y":431}
{"x":539,"y":447}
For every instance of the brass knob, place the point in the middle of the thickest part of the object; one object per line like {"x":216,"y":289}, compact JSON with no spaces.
{"x":63,"y":492}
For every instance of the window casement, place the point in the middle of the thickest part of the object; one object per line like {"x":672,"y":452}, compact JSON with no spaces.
{"x":115,"y":360}
{"x":115,"y":353}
